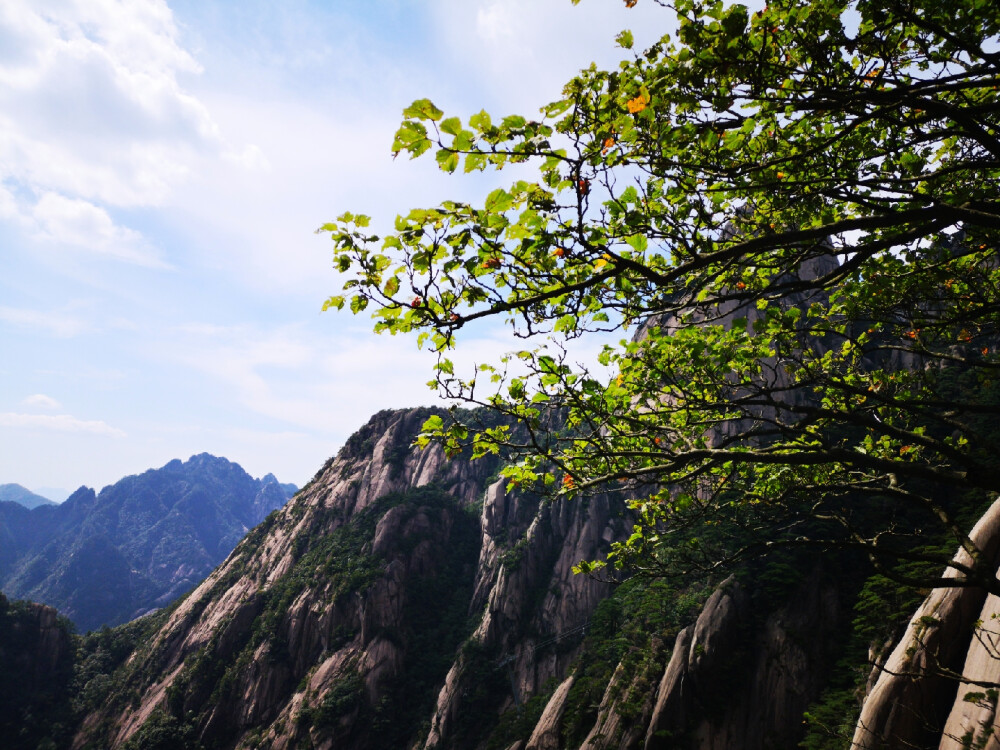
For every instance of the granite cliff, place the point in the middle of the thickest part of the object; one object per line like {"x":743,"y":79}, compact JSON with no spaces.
{"x":404,"y":600}
{"x":36,"y":667}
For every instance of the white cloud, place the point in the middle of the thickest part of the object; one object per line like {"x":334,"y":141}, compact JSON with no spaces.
{"x":516,"y":55}
{"x":325,"y":383}
{"x":494,"y":22}
{"x":94,"y":117}
{"x":59,"y":423}
{"x":57,"y":323}
{"x":41,"y":401}
{"x":91,"y":101}
{"x":80,"y":224}
{"x":111,"y":141}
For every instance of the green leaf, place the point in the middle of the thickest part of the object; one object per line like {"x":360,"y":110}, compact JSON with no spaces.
{"x":447,"y":160}
{"x":433,"y":424}
{"x":481,"y":121}
{"x":498,"y":201}
{"x":451,"y":126}
{"x":638,"y":242}
{"x":475,"y":162}
{"x":512,"y":122}
{"x":423,"y":109}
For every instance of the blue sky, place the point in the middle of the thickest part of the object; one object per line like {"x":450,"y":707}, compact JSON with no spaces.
{"x":163,"y":167}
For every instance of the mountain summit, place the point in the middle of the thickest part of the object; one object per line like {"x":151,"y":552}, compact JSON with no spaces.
{"x":105,"y":558}
{"x":15,"y":493}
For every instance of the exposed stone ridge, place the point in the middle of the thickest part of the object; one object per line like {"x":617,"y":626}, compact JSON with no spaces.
{"x":218,"y":614}
{"x":729,"y":683}
{"x":903,"y":712}
{"x":522,"y":587}
{"x":338,"y":653}
{"x":518,"y":627}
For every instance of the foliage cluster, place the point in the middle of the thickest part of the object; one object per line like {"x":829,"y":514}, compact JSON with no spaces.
{"x":792,"y":213}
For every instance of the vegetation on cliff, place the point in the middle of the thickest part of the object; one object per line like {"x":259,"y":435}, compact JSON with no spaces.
{"x":799,"y":206}
{"x":36,"y":666}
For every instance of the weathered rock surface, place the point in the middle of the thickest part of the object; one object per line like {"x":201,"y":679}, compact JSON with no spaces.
{"x":730,"y":684}
{"x":546,"y":733}
{"x":289,"y":687}
{"x":404,"y":600}
{"x":902,"y":711}
{"x":972,"y":721}
{"x":36,"y":662}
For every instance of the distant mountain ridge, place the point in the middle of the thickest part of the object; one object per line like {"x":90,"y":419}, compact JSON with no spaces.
{"x":105,"y":558}
{"x":15,"y":493}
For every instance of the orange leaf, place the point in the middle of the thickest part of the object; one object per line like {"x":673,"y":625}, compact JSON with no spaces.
{"x":638,"y":104}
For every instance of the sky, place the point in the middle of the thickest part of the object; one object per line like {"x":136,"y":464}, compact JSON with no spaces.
{"x":163,"y":169}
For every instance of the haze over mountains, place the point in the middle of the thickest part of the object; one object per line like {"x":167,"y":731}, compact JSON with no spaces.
{"x":15,"y":493}
{"x":106,"y":558}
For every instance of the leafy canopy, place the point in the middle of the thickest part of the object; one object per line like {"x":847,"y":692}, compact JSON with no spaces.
{"x":792,"y":217}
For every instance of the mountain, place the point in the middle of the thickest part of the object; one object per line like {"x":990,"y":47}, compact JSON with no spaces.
{"x":102,"y":559}
{"x":407,"y":600}
{"x":15,"y":493}
{"x":404,"y":600}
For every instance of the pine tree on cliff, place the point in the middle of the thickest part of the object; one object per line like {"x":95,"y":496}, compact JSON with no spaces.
{"x":797,"y":211}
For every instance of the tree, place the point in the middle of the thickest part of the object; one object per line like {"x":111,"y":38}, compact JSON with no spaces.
{"x":795,"y":212}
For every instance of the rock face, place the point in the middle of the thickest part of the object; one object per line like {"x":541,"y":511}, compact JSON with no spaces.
{"x":952,"y":633}
{"x":36,"y":662}
{"x":767,"y":676}
{"x":403,"y":600}
{"x":319,"y":625}
{"x":105,"y":558}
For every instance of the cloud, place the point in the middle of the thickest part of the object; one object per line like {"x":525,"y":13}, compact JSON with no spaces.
{"x":91,"y":101}
{"x":59,"y":423}
{"x":80,"y":224}
{"x":41,"y":401}
{"x":493,"y":22}
{"x":57,"y":323}
{"x":330,"y":383}
{"x":94,"y":117}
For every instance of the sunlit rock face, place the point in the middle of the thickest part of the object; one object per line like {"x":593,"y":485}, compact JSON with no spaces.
{"x":362,"y":612}
{"x":404,"y":599}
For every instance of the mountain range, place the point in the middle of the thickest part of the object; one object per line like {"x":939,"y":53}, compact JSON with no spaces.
{"x":405,"y":599}
{"x":15,"y":493}
{"x":106,"y":558}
